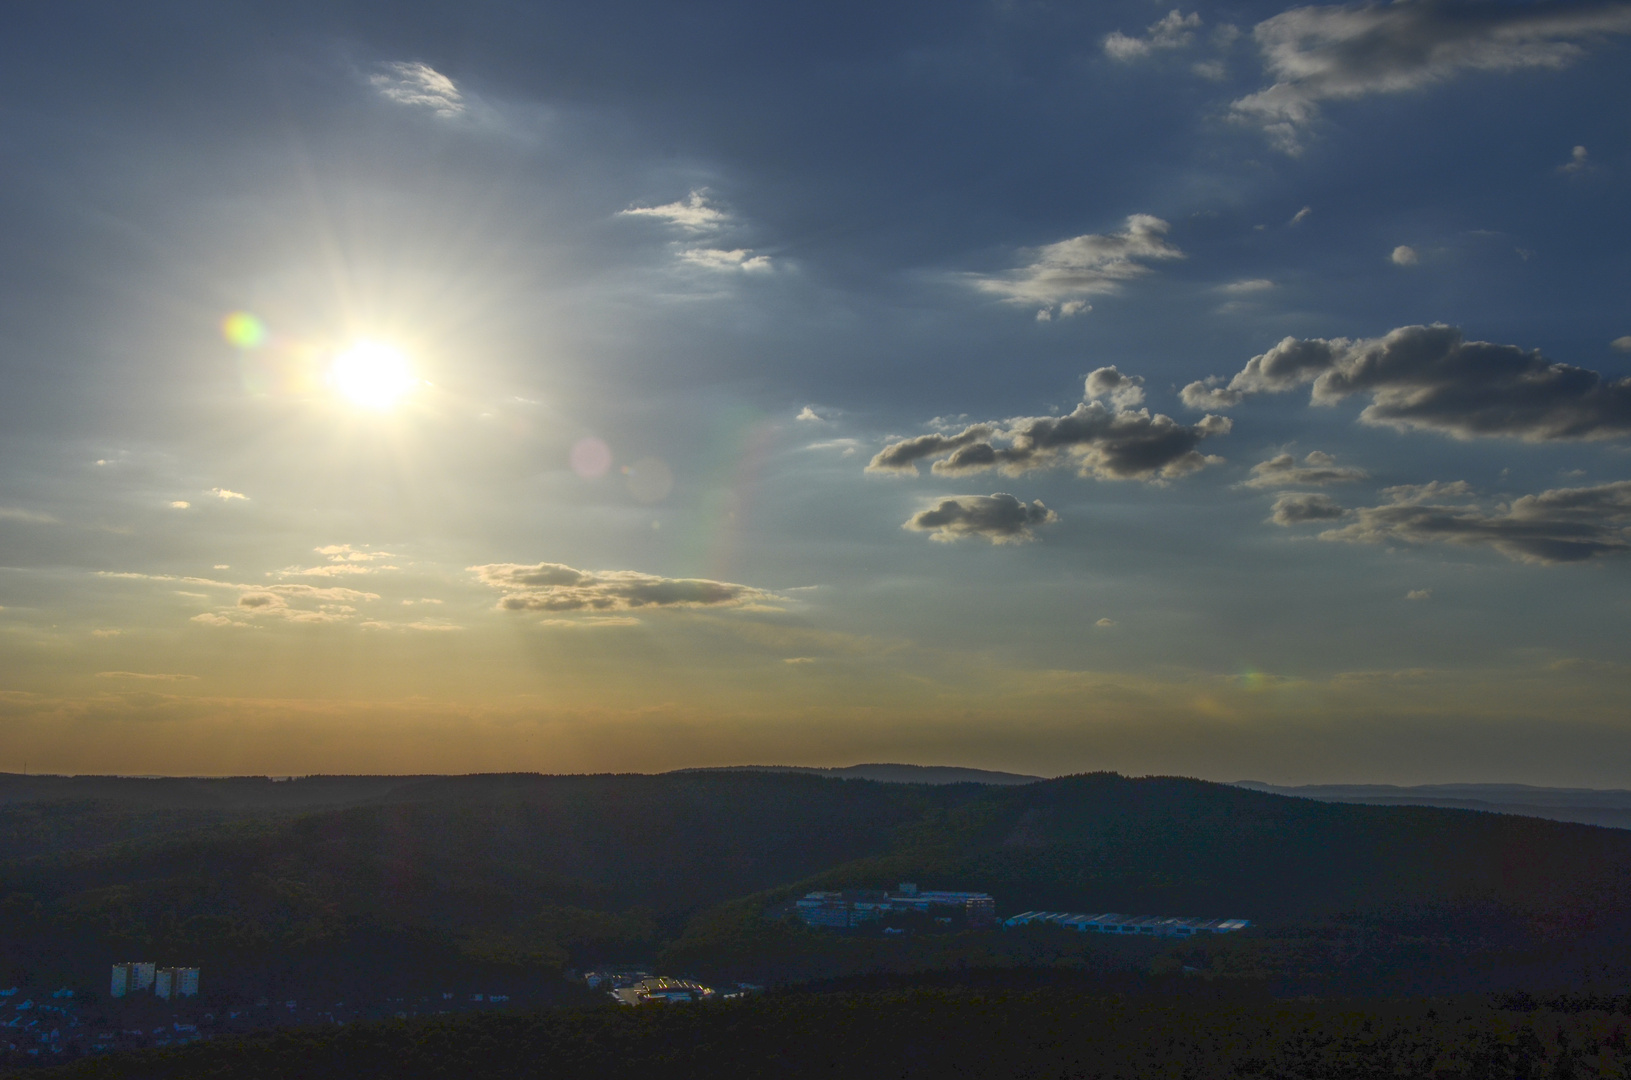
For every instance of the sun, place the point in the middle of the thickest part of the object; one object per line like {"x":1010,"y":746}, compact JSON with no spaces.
{"x":373,"y":375}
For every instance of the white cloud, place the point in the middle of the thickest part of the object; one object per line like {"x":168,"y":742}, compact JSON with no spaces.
{"x":1105,"y":624}
{"x":693,"y":213}
{"x":1419,"y":594}
{"x":1172,"y":31}
{"x":845,"y":447}
{"x":1404,"y":255}
{"x":810,"y":416}
{"x":227,"y":496}
{"x":1579,"y":161}
{"x":554,"y":587}
{"x":1343,"y":52}
{"x":1431,"y":378}
{"x":998,"y":518}
{"x":33,"y":517}
{"x":179,"y":504}
{"x":1300,"y":216}
{"x":1621,"y":344}
{"x":1061,"y":276}
{"x":720,"y":259}
{"x":1248,"y":287}
{"x":416,"y":84}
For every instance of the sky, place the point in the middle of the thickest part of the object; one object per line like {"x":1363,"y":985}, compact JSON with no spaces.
{"x":1228,"y":390}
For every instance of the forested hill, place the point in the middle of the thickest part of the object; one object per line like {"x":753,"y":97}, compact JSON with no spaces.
{"x":546,"y":871}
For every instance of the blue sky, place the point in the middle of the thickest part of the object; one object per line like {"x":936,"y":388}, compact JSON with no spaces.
{"x":1232,"y":390}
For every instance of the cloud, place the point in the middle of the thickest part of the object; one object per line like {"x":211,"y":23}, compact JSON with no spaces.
{"x":592,"y":622}
{"x":999,"y":518}
{"x":1430,"y":378}
{"x":427,"y":626}
{"x":1061,"y":276}
{"x":845,"y":447}
{"x":1621,"y":344}
{"x":1172,"y":31}
{"x":693,"y":213}
{"x":698,"y":218}
{"x":1556,"y":526}
{"x":1579,"y":161}
{"x":720,"y":259}
{"x":809,"y":415}
{"x":1317,"y":470}
{"x":343,"y":559}
{"x":145,"y":676}
{"x":1404,"y":255}
{"x":226,"y":495}
{"x":34,"y":517}
{"x":1247,"y":287}
{"x":1105,"y":623}
{"x":554,"y":587}
{"x":1344,"y":52}
{"x":409,"y":82}
{"x":179,"y":504}
{"x":1110,"y":442}
{"x":106,"y":632}
{"x":1419,"y":594}
{"x":1301,"y":508}
{"x":1300,"y":216}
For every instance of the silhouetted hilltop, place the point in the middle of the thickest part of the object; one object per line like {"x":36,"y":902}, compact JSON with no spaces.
{"x":892,"y":774}
{"x":541,"y":872}
{"x":1588,"y":806}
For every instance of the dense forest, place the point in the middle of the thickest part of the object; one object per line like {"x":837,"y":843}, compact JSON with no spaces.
{"x":525,"y":876}
{"x":966,"y":1031}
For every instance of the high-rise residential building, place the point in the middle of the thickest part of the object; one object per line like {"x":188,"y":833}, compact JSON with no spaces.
{"x":130,"y":977}
{"x":176,"y":982}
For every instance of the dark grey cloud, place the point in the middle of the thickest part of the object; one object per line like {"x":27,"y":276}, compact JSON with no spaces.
{"x":1431,"y":378}
{"x":1556,"y":526}
{"x":1301,"y":508}
{"x":999,"y":518}
{"x":1109,"y":441}
{"x":1317,"y":469}
{"x":1318,"y":54}
{"x":554,"y":587}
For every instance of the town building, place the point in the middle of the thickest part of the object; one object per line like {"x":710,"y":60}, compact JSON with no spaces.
{"x":1144,"y":925}
{"x":176,"y":982}
{"x":841,"y":910}
{"x":662,"y":991}
{"x":131,"y":977}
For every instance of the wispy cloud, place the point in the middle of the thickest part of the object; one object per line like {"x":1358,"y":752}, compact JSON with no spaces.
{"x":145,"y":676}
{"x":694,"y":213}
{"x":1316,"y":470}
{"x":1556,"y":526}
{"x":1061,"y":277}
{"x":1172,"y":31}
{"x":416,"y":84}
{"x":33,"y":517}
{"x":1342,"y":52}
{"x":226,"y":495}
{"x":554,"y":587}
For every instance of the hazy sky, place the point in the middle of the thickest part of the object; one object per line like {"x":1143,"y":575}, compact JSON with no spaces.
{"x":1232,"y":390}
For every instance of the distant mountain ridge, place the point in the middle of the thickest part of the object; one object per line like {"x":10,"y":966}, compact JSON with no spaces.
{"x":890,"y":773}
{"x":1609,"y":808}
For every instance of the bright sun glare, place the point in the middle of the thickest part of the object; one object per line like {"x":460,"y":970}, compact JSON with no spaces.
{"x":372,"y":374}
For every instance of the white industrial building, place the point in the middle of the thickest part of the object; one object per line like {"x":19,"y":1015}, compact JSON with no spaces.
{"x":1145,"y":925}
{"x":176,"y":982}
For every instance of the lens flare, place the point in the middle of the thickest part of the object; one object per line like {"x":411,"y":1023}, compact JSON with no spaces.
{"x":591,"y":458}
{"x":372,"y":374}
{"x":243,"y":331}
